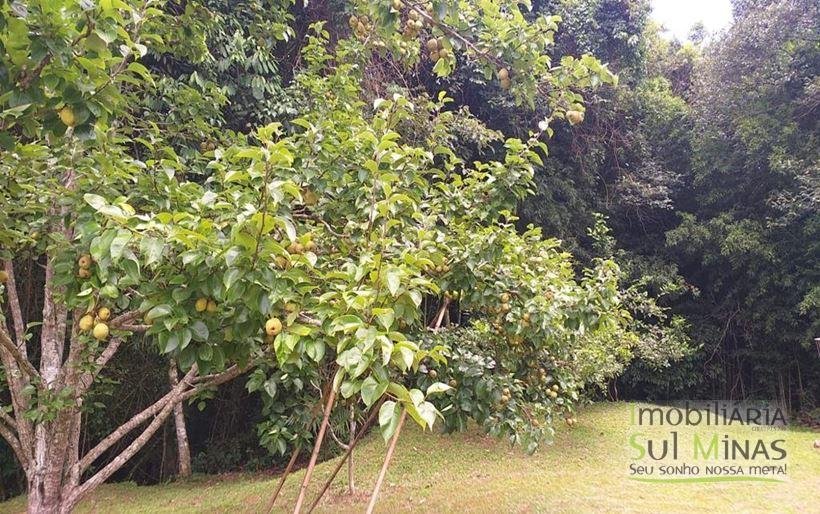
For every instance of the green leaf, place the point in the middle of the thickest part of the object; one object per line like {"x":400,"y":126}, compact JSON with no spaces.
{"x":151,"y":249}
{"x":158,"y":312}
{"x":372,"y":390}
{"x":438,"y":387}
{"x":393,"y":280}
{"x":200,"y":331}
{"x":389,"y":414}
{"x":95,"y":201}
{"x":347,"y":323}
{"x":119,"y":243}
{"x":349,"y":388}
{"x":349,"y":358}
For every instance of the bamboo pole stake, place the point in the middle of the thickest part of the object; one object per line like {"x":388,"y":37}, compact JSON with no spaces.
{"x":387,"y":457}
{"x":315,"y":455}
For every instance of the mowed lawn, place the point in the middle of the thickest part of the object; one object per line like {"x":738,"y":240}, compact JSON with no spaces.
{"x":585,"y":470}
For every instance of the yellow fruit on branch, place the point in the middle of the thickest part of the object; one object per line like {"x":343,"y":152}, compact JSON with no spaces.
{"x":86,"y":322}
{"x":84,"y":273}
{"x":505,"y":298}
{"x":84,"y":261}
{"x":104,"y":313}
{"x":211,"y":307}
{"x":67,"y":116}
{"x":503,"y":74}
{"x":432,"y":45}
{"x":575,"y":117}
{"x":273,"y":326}
{"x":100,"y":331}
{"x":201,"y":304}
{"x":4,"y":277}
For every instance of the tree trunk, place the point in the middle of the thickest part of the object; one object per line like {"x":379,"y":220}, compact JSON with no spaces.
{"x":183,"y":449}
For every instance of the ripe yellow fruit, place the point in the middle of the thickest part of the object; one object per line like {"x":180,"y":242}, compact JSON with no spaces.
{"x":398,"y":5}
{"x":505,"y":84}
{"x":434,"y":56}
{"x":282,"y":262}
{"x":432,"y":45}
{"x":104,"y":313}
{"x":433,"y":374}
{"x":100,"y":331}
{"x":575,"y":117}
{"x":296,"y":247}
{"x":503,"y":74}
{"x":67,"y":116}
{"x":211,"y":306}
{"x":4,"y":277}
{"x":84,"y":273}
{"x":86,"y":322}
{"x":201,"y":304}
{"x":273,"y":326}
{"x":84,"y":261}
{"x":443,"y":53}
{"x":555,"y":387}
{"x":505,"y":297}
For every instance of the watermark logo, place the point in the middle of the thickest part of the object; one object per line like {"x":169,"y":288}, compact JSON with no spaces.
{"x":708,"y":441}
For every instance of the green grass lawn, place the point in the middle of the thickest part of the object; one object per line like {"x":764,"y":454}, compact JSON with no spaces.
{"x":584,"y":471}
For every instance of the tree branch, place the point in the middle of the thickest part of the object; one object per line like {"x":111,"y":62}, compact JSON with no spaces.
{"x":8,"y":420}
{"x":14,"y":306}
{"x":139,"y":419}
{"x":11,"y":348}
{"x":8,"y":434}
{"x":102,"y":475}
{"x":126,"y":318}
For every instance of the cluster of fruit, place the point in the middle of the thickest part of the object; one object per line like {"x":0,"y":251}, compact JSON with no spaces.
{"x":436,"y":49}
{"x":207,"y":146}
{"x":413,"y":26}
{"x":96,"y":322}
{"x":361,"y":26}
{"x":505,"y":396}
{"x":297,"y":248}
{"x":439,"y":269}
{"x":205,"y":304}
{"x":84,"y":266}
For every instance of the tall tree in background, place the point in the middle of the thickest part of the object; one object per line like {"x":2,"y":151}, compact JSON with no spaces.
{"x":749,"y":237}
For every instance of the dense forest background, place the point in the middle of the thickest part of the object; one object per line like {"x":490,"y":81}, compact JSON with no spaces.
{"x":698,"y":171}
